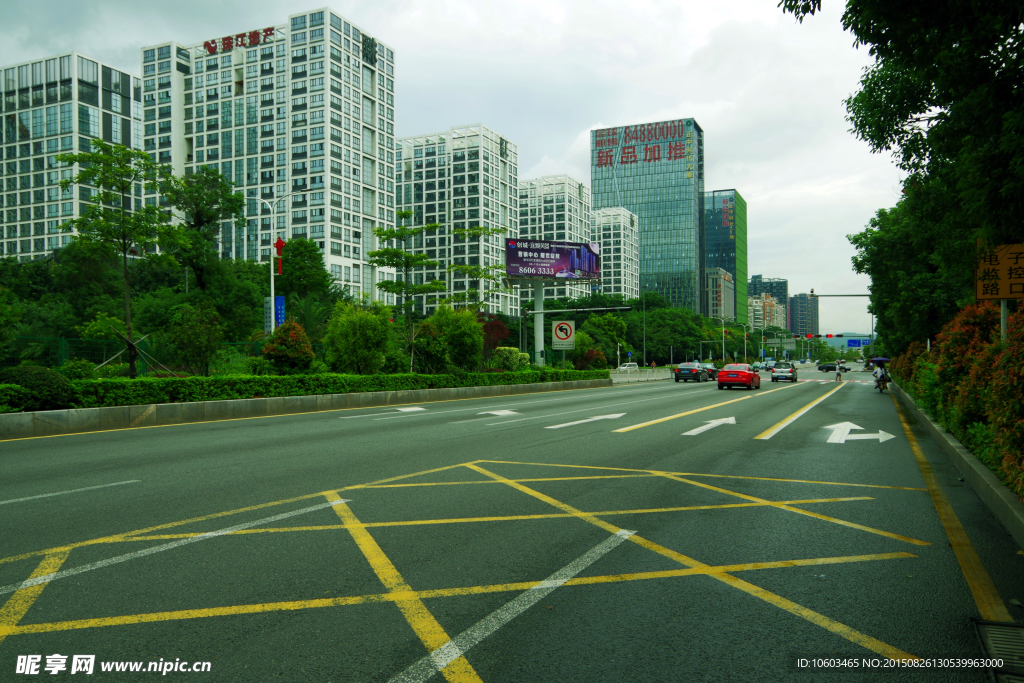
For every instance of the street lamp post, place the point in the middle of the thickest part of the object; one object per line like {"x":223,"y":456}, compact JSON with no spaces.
{"x":273,"y":214}
{"x":723,"y":335}
{"x":643,"y":291}
{"x":762,"y":338}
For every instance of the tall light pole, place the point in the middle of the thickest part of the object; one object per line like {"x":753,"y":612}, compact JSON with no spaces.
{"x":745,"y":333}
{"x":273,"y":214}
{"x":643,"y":292}
{"x":762,"y":338}
{"x":723,"y":335}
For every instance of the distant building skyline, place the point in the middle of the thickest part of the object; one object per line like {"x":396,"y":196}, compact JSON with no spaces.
{"x":725,"y":242}
{"x":617,"y":231}
{"x":803,"y":314}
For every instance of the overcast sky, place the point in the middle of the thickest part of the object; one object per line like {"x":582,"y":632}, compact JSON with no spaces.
{"x":767,"y":91}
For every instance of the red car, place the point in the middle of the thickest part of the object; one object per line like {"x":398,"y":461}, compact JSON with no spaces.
{"x":738,"y":374}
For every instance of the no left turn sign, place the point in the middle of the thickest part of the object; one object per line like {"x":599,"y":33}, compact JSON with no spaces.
{"x":563,"y":335}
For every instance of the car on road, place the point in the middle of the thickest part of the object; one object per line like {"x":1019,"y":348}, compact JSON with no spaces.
{"x":738,"y":375}
{"x":712,"y":370}
{"x":783,"y":371}
{"x":831,"y":367}
{"x":687,"y":371}
{"x":628,"y":367}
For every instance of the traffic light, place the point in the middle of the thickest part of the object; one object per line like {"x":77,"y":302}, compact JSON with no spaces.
{"x":829,"y":336}
{"x":809,"y":335}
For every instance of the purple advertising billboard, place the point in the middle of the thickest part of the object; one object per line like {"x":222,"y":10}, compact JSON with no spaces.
{"x":527,"y":259}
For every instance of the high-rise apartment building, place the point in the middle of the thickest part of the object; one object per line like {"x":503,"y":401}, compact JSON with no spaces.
{"x":764,"y":310}
{"x":458,"y":179}
{"x":617,"y":231}
{"x":656,"y":170}
{"x":50,"y":106}
{"x":301,"y":112}
{"x":721,"y":294}
{"x":803,"y":314}
{"x":555,"y":208}
{"x":778,"y":288}
{"x":725,"y":244}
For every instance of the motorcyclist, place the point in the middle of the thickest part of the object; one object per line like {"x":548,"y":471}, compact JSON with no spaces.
{"x":880,"y":374}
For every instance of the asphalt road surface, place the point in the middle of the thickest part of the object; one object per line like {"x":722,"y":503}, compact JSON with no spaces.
{"x":657,"y":531}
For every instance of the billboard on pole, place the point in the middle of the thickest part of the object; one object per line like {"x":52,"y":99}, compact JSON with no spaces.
{"x":529,"y":259}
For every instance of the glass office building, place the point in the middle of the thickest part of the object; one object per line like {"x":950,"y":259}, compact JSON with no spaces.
{"x":656,"y":171}
{"x":51,"y":106}
{"x":725,"y":242}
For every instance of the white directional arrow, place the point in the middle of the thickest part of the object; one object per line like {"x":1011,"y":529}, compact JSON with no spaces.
{"x":499,"y":413}
{"x":589,"y":419}
{"x":841,"y":433}
{"x":711,"y":424}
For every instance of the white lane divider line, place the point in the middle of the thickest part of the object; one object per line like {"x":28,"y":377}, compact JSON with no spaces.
{"x":616,"y":416}
{"x":64,"y":493}
{"x":499,"y":413}
{"x":409,"y":410}
{"x":458,"y":646}
{"x":160,"y":548}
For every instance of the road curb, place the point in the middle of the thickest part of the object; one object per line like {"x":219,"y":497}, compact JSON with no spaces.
{"x":83,"y":420}
{"x":1006,"y":507}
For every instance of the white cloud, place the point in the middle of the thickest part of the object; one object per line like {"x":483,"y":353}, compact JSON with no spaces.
{"x":766,"y":90}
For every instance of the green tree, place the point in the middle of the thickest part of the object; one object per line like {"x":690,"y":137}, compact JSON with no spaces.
{"x":202,"y":202}
{"x":10,"y":314}
{"x":608,"y":332}
{"x":463,"y":335}
{"x":197,"y":334}
{"x":303,"y":270}
{"x":312,"y":312}
{"x":486,"y":281}
{"x":110,"y":222}
{"x":397,"y":253}
{"x":357,"y":337}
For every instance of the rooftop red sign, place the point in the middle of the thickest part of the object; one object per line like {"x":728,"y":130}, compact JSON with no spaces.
{"x":228,"y":43}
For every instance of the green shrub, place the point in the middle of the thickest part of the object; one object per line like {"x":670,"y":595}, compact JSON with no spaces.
{"x":13,"y":398}
{"x":49,"y":390}
{"x":318,"y":367}
{"x":122,"y":392}
{"x":258,"y":365}
{"x":289,"y":349}
{"x":509,"y":358}
{"x":78,"y":368}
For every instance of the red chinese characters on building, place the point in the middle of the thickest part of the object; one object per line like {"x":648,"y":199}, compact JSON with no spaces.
{"x":652,"y":153}
{"x":241,"y":40}
{"x":676,"y":150}
{"x":605,"y":158}
{"x":628,"y":155}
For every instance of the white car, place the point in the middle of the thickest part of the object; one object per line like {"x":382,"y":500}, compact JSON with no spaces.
{"x":628,"y":367}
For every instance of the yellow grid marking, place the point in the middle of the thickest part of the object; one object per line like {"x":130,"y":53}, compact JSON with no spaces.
{"x":783,"y":506}
{"x":23,"y":598}
{"x":415,"y":612}
{"x":192,"y":520}
{"x":698,"y":410}
{"x":497,"y":518}
{"x":816,"y":618}
{"x":230,"y":610}
{"x":696,"y":474}
{"x":986,"y":596}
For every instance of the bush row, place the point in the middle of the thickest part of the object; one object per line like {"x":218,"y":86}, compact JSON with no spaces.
{"x":120,"y":392}
{"x":973,"y":384}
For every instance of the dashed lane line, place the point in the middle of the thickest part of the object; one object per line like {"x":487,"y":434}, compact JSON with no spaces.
{"x":64,"y":493}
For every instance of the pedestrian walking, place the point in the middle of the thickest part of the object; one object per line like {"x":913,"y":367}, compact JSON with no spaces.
{"x":839,"y":371}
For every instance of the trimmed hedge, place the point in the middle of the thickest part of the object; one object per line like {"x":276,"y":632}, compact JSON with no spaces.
{"x":47,"y":389}
{"x":96,"y":393}
{"x":13,"y":398}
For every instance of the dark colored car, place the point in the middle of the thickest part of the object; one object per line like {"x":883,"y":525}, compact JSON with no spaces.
{"x":688,"y":371}
{"x":738,"y":375}
{"x":831,"y":367}
{"x":712,"y":370}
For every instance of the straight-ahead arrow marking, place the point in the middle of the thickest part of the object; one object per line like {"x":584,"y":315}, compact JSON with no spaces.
{"x":589,"y":419}
{"x":711,"y":424}
{"x":840,"y":431}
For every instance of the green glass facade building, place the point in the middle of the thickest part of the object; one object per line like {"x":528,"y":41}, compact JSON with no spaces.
{"x":725,"y":241}
{"x":656,"y":170}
